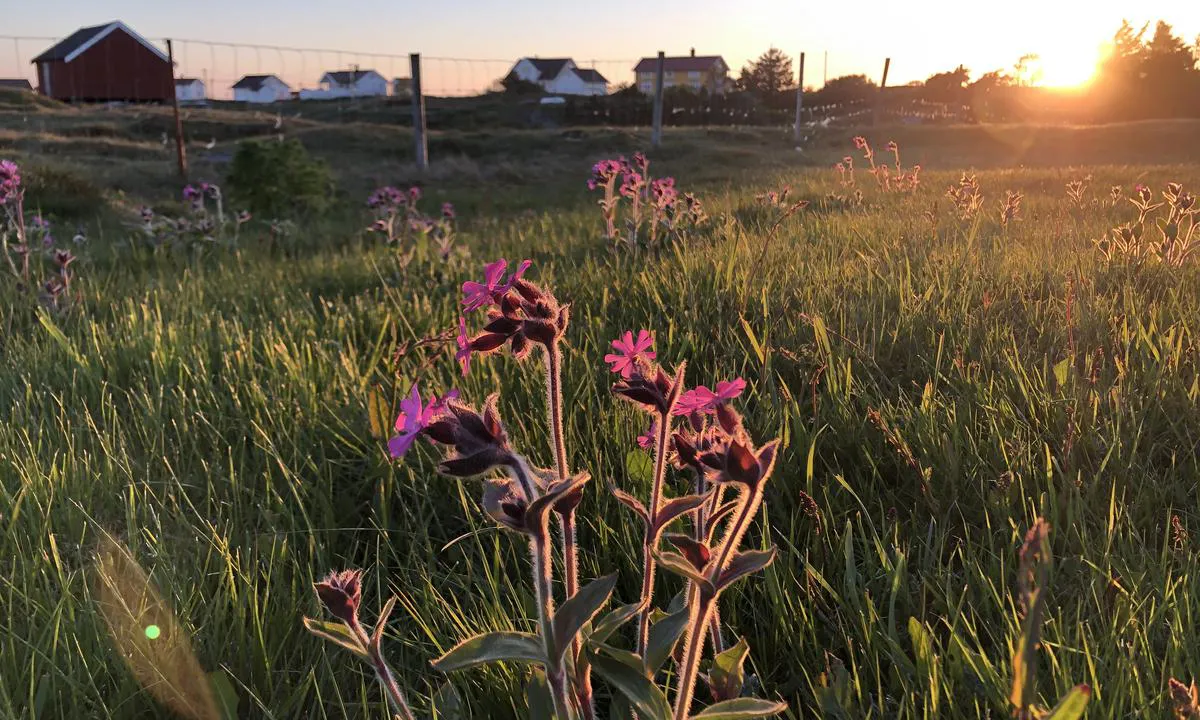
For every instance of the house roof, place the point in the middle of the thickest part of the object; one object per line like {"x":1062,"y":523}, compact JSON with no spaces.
{"x":15,"y":84}
{"x":347,"y":77}
{"x":82,"y":39}
{"x":590,"y":76}
{"x":548,"y":68}
{"x":687,"y":63}
{"x":186,"y":81}
{"x":254,"y":83}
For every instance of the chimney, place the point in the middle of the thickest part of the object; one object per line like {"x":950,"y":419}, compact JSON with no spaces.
{"x":693,"y":52}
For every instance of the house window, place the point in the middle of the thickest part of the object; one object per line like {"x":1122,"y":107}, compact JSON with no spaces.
{"x":647,"y":87}
{"x":693,"y":75}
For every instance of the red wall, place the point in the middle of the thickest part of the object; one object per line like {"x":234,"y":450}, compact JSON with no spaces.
{"x":116,"y":68}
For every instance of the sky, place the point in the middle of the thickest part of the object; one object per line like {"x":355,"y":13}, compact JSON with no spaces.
{"x":484,"y":37}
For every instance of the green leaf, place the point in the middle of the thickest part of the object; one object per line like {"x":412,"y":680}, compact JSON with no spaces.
{"x":639,"y":467}
{"x":1072,"y":706}
{"x":492,"y":647}
{"x":381,"y":623}
{"x":726,"y":677}
{"x":224,"y":695}
{"x":378,"y":413}
{"x":336,"y":633}
{"x":646,"y":697}
{"x":664,"y":636}
{"x":676,"y":508}
{"x":537,"y":690}
{"x":612,"y":621}
{"x":632,"y":503}
{"x":579,"y":609}
{"x":740,"y":709}
{"x":745,"y":563}
{"x":447,"y":704}
{"x":678,"y":564}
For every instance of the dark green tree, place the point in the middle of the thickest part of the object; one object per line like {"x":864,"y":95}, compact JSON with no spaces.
{"x":947,"y":87}
{"x":769,"y":77}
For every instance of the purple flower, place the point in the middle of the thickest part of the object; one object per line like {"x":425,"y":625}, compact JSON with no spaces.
{"x":603,"y":172}
{"x":663,"y":192}
{"x":415,"y":417}
{"x":630,"y":352}
{"x":640,"y":163}
{"x":521,"y":268}
{"x":478,"y":295}
{"x":463,"y":355}
{"x":37,"y":222}
{"x":646,"y":439}
{"x":192,"y":193}
{"x":10,"y":180}
{"x":703,"y":400}
{"x":448,"y":211}
{"x":632,"y":184}
{"x":414,"y":194}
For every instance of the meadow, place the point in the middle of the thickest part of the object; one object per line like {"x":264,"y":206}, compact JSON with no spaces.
{"x":938,"y":383}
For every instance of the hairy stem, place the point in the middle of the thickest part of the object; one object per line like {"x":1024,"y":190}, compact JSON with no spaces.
{"x":384,"y":672}
{"x":648,"y":564}
{"x":570,"y":554}
{"x":555,"y":677}
{"x":701,"y":611}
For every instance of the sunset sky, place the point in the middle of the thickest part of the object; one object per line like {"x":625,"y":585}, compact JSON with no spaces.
{"x":921,"y":36}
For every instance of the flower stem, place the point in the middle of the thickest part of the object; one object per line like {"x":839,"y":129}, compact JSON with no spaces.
{"x":648,"y":565}
{"x":386,"y":677}
{"x":555,"y":677}
{"x":688,"y":670}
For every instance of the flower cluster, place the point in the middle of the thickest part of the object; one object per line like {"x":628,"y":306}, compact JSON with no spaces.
{"x":1010,"y":209}
{"x":398,"y":217}
{"x":966,"y":196}
{"x":898,"y":180}
{"x":653,"y":203}
{"x":203,"y":222}
{"x":1076,"y":190}
{"x":519,"y":314}
{"x":33,"y":258}
{"x":1177,"y":237}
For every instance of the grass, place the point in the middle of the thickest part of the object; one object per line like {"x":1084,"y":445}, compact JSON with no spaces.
{"x":210,"y":411}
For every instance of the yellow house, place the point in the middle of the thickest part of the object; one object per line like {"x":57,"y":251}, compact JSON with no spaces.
{"x":697,"y":72}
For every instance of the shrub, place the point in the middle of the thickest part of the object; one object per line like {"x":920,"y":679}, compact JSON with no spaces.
{"x":279,"y":179}
{"x":61,"y":193}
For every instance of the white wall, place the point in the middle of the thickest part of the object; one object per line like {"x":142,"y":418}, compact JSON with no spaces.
{"x":271,"y":91}
{"x":192,"y":92}
{"x":526,"y":71}
{"x":568,"y":83}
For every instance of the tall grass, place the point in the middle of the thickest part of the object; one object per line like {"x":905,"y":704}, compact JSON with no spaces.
{"x":934,"y":394}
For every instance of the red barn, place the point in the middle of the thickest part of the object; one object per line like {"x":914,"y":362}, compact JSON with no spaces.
{"x":105,"y":63}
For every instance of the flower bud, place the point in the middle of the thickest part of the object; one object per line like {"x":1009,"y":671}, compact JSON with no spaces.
{"x":341,"y":593}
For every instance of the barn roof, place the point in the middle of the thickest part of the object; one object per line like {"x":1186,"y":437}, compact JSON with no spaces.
{"x":590,"y":76}
{"x":347,"y":77}
{"x":548,"y":68}
{"x":79,"y":41}
{"x":687,"y":63}
{"x":186,"y":81}
{"x":15,"y":84}
{"x":254,"y":83}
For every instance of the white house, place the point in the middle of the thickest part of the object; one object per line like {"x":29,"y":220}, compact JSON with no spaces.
{"x":348,"y":84}
{"x":261,"y":89}
{"x":190,"y":90}
{"x":560,"y":76}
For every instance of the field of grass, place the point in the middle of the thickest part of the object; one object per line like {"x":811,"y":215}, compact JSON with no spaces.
{"x":937,"y":383}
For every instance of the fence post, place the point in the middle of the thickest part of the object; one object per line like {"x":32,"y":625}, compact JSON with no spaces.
{"x":180,"y":150}
{"x":659,"y":72}
{"x":799,"y":100}
{"x":418,"y":110}
{"x":887,"y":65}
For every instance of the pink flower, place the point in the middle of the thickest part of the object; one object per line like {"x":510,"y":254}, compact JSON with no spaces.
{"x":463,"y":356}
{"x":479,"y":295}
{"x":414,"y":417}
{"x":631,"y":351}
{"x":646,"y":439}
{"x":521,"y":268}
{"x":703,"y":400}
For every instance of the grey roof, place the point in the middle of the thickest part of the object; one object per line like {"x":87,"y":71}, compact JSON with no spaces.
{"x":186,"y":81}
{"x":590,"y":76}
{"x":253,"y":83}
{"x":690,"y":63}
{"x":15,"y":84}
{"x":348,"y":77}
{"x":72,"y":43}
{"x":548,"y":68}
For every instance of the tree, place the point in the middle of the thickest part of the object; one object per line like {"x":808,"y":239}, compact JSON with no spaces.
{"x":513,"y":84}
{"x":768,"y":77}
{"x":845,"y":89}
{"x":1027,"y":70}
{"x":947,"y":86}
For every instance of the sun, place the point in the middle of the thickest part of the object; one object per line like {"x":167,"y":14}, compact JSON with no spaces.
{"x":1064,"y":69}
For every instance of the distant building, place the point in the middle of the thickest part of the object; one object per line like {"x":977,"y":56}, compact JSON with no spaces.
{"x":353,"y":83}
{"x":402,"y":87}
{"x":261,"y":89}
{"x":190,"y":91}
{"x":15,"y":84}
{"x":560,"y":76}
{"x":697,"y":72}
{"x":105,"y":63}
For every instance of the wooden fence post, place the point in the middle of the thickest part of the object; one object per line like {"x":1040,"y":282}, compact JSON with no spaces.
{"x":659,"y":72}
{"x":180,"y":150}
{"x":887,"y":65}
{"x":799,"y":101}
{"x":418,"y":110}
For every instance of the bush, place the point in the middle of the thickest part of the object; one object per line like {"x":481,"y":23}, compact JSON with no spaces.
{"x":279,"y":179}
{"x":60,"y":193}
